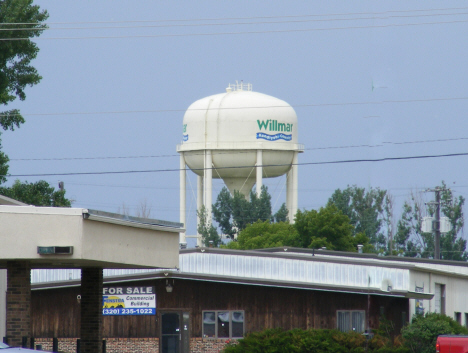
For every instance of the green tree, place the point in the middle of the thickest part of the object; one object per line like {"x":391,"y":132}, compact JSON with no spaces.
{"x":241,"y":212}
{"x":260,"y":235}
{"x":222,"y":212}
{"x":282,"y":214}
{"x":260,"y":206}
{"x":206,"y":229}
{"x":421,"y":335}
{"x":328,"y":227}
{"x":16,"y":54}
{"x":234,"y":213}
{"x":453,"y":246}
{"x":365,"y":209}
{"x":411,"y":241}
{"x":38,"y":194}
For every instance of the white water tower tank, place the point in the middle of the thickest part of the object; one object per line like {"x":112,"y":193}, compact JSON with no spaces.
{"x":242,"y":137}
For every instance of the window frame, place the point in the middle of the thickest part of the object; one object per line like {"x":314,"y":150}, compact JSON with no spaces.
{"x":216,"y":323}
{"x":363,"y":312}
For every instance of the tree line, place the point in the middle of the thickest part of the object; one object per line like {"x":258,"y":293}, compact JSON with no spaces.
{"x":352,"y":216}
{"x":17,"y":73}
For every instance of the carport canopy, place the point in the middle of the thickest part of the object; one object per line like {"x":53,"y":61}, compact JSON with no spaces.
{"x":53,"y":237}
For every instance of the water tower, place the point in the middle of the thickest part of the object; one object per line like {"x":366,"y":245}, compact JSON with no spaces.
{"x":239,"y":136}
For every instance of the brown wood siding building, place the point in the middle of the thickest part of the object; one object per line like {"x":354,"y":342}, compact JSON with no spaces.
{"x":56,"y":311}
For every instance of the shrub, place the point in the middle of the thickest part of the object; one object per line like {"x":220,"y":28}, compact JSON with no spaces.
{"x":313,"y":341}
{"x":421,"y":335}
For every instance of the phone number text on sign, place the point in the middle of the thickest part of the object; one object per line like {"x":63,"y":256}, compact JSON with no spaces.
{"x":120,"y":311}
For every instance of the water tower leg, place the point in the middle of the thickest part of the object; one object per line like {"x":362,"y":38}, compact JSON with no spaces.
{"x":208,"y":188}
{"x":295,"y":169}
{"x":199,"y":201}
{"x":259,"y":172}
{"x":183,"y":203}
{"x":208,"y":184}
{"x":289,"y":179}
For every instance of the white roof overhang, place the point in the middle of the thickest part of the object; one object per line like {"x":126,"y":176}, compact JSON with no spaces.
{"x":90,"y":238}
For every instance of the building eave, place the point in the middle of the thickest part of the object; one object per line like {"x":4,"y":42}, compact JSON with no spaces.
{"x":135,"y":222}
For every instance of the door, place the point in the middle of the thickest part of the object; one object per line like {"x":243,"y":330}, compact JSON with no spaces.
{"x":175,"y":336}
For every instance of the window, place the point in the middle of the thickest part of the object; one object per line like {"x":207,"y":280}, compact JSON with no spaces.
{"x":466,"y":319}
{"x":223,"y":324}
{"x":350,"y":320}
{"x":458,"y":317}
{"x":439,"y":298}
{"x":404,"y":318}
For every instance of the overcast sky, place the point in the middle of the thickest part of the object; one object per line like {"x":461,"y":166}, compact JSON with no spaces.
{"x":368,"y":80}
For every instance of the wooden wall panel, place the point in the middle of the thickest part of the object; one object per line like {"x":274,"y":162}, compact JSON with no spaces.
{"x":56,"y":313}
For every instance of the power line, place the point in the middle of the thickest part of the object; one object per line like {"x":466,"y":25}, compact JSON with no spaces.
{"x":239,"y":152}
{"x":388,"y":143}
{"x":174,"y":35}
{"x":232,"y":23}
{"x":94,"y":158}
{"x":246,"y":166}
{"x":312,"y":190}
{"x":421,"y":100}
{"x":190,"y":25}
{"x":245,"y":18}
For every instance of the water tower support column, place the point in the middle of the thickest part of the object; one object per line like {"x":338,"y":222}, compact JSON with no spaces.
{"x":208,"y":184}
{"x":289,"y":178}
{"x":295,"y":188}
{"x":199,"y":203}
{"x":182,"y":196}
{"x":292,"y":189}
{"x":259,"y":172}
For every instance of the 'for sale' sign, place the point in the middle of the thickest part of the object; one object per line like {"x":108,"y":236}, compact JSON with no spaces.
{"x":128,"y":301}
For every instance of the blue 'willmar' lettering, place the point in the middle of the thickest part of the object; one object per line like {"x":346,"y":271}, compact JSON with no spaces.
{"x":185,"y":137}
{"x":262,"y":135}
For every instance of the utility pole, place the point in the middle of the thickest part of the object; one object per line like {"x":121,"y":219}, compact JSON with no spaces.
{"x":436,"y":222}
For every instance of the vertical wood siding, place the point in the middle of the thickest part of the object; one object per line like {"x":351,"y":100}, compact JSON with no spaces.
{"x":56,"y":312}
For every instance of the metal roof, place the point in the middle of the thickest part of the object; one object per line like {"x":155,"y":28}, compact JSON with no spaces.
{"x":131,"y":221}
{"x":292,"y":270}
